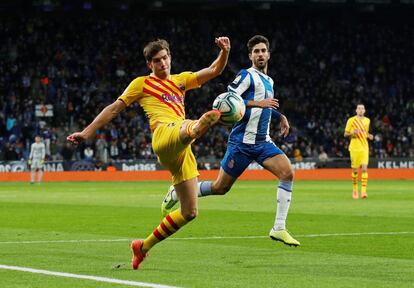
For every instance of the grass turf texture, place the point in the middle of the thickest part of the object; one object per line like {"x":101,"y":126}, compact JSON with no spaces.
{"x":82,"y":211}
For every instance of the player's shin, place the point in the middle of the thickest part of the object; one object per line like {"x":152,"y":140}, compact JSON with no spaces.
{"x":355,"y":185}
{"x":32,"y":176}
{"x":39,"y":175}
{"x":195,"y":129}
{"x":364,"y":182}
{"x":284,"y":197}
{"x":168,"y":226}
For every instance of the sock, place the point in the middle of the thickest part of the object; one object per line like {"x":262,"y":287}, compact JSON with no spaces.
{"x":168,"y":226}
{"x":354,"y":181}
{"x":32,"y":176}
{"x":39,"y":175}
{"x":189,"y":129}
{"x":204,"y":189}
{"x":364,"y":181}
{"x":284,"y":196}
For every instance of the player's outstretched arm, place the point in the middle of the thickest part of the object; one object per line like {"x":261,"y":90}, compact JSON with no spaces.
{"x":107,"y":114}
{"x":218,"y":65}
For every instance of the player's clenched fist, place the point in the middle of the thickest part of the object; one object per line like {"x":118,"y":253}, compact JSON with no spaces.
{"x":223,"y":43}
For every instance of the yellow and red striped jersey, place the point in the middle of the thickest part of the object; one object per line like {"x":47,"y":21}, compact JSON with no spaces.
{"x":162,"y":100}
{"x":359,"y":142}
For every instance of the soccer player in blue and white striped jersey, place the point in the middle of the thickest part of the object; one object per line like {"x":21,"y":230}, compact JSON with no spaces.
{"x":249,"y":140}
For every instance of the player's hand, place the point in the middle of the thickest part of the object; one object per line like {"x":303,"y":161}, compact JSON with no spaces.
{"x":223,"y":43}
{"x":370,"y":136}
{"x":269,"y":103}
{"x":284,"y":126}
{"x":355,"y":132}
{"x":76,"y":138}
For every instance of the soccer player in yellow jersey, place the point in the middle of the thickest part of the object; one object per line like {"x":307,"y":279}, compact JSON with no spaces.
{"x":357,"y":128}
{"x":161,"y":95}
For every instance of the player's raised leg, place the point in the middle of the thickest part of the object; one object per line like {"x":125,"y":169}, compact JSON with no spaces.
{"x":193,"y":129}
{"x":280,"y":166}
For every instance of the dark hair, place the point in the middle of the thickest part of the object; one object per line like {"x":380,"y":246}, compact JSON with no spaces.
{"x":153,"y":47}
{"x":256,"y":39}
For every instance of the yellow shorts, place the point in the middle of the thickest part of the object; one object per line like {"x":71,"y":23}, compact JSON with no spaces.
{"x":172,"y":154}
{"x":358,"y":158}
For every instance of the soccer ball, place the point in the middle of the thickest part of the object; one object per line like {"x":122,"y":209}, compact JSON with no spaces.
{"x":231,"y":106}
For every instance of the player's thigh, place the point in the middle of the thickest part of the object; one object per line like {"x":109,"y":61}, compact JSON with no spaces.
{"x":36,"y":164}
{"x":166,"y":141}
{"x":173,"y":154}
{"x":364,"y":161}
{"x":280,"y":166}
{"x":187,"y":195}
{"x":272,"y":158}
{"x":356,"y":159}
{"x":236,"y":160}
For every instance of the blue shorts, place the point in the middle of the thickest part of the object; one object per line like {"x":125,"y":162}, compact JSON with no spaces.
{"x":239,"y":156}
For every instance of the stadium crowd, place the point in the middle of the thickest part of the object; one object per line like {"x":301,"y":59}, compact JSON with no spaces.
{"x":322,"y":68}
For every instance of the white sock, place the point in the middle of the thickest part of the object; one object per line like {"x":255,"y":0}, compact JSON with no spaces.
{"x":284,"y":196}
{"x":32,"y":176}
{"x":204,"y":189}
{"x":39,"y":175}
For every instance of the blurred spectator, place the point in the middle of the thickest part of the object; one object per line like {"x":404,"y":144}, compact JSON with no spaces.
{"x":67,"y":152}
{"x":323,"y":157}
{"x":322,"y":68}
{"x":88,"y":153}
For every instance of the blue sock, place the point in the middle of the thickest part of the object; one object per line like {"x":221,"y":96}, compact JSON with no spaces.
{"x":286,"y":185}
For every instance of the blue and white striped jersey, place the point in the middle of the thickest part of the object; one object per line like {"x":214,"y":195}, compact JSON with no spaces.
{"x":252,"y":84}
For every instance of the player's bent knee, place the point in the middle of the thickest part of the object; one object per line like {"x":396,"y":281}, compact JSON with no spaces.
{"x":190,"y":215}
{"x":287,"y":174}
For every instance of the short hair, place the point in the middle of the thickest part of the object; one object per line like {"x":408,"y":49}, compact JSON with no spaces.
{"x":153,"y":47}
{"x":256,"y":39}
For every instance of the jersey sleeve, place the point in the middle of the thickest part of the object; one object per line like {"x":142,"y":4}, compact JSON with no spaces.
{"x":348,"y":127}
{"x":132,"y":92}
{"x":241,"y":83}
{"x":31,"y":152}
{"x":43,"y":151}
{"x":191,"y":81}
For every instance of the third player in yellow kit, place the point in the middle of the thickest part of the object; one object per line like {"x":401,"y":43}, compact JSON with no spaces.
{"x":357,"y":128}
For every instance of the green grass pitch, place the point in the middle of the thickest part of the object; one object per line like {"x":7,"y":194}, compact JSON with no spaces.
{"x":345,"y":242}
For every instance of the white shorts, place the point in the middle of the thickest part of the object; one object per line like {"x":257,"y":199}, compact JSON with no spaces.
{"x":36,"y":164}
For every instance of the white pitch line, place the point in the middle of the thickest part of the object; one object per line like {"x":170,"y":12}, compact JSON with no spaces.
{"x":86,"y":277}
{"x":65,"y":241}
{"x":206,"y":238}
